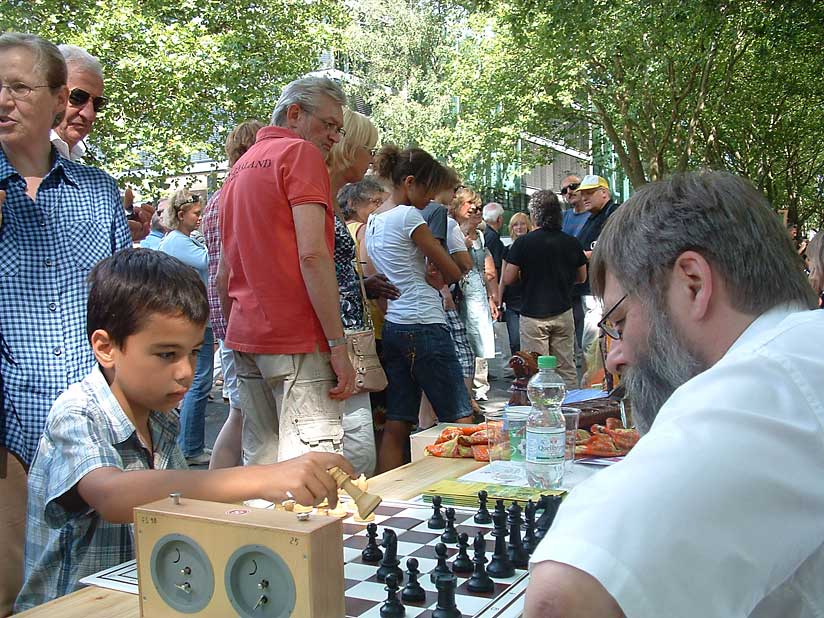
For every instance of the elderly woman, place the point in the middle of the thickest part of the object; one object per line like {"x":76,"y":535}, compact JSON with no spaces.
{"x":519,"y":225}
{"x":479,"y":286}
{"x":348,"y":162}
{"x":182,"y":217}
{"x":59,"y":219}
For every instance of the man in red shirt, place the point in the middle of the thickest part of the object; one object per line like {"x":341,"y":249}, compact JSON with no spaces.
{"x":277,"y":279}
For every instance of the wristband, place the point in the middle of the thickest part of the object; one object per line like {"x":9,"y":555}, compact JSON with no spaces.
{"x":333,"y":343}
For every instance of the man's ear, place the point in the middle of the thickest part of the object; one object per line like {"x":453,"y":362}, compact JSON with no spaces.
{"x":691,"y":284}
{"x":103,"y":348}
{"x":293,"y":113}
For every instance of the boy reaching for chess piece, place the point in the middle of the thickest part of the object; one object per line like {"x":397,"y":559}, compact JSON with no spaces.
{"x":109,"y":443}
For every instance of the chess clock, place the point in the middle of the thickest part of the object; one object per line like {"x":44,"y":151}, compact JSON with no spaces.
{"x":216,"y":560}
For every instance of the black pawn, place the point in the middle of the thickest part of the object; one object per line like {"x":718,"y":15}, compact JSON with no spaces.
{"x":450,"y":535}
{"x":392,"y":607}
{"x":390,"y":562}
{"x":500,"y":507}
{"x":372,"y":553}
{"x":462,"y":565}
{"x":436,"y":522}
{"x":413,"y":592}
{"x":480,"y":581}
{"x":548,"y":505}
{"x":530,"y":542}
{"x":500,"y":565}
{"x":441,"y":568}
{"x":515,"y":547}
{"x":446,"y":607}
{"x":482,"y":516}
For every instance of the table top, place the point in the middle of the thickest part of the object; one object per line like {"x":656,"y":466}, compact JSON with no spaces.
{"x":400,"y":484}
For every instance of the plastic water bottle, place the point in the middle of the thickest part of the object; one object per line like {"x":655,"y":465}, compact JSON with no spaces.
{"x":545,"y":426}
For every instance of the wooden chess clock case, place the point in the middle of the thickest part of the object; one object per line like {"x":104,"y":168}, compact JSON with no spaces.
{"x":219,"y":560}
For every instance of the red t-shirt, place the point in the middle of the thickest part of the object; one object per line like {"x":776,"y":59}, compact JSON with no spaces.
{"x":271,"y":310}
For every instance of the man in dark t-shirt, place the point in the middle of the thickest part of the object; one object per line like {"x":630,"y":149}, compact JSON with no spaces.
{"x":548,"y":263}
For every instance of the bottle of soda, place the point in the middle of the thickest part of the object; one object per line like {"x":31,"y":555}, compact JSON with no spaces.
{"x":545,"y":426}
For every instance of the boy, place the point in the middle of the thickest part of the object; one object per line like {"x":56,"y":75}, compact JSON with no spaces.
{"x":110,"y":440}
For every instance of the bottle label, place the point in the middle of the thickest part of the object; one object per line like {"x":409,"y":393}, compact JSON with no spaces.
{"x":545,"y":447}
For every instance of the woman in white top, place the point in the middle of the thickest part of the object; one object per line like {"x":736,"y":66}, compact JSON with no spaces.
{"x":417,"y":347}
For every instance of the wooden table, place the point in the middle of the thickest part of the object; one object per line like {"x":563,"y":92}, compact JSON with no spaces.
{"x":400,"y":484}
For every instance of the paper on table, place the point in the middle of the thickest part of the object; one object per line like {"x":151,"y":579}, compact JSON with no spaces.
{"x":577,"y":475}
{"x":122,"y":577}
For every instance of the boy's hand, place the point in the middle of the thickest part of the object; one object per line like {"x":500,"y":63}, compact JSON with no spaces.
{"x":306,"y":479}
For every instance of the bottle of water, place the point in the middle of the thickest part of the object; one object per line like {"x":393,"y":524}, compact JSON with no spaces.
{"x":545,"y":426}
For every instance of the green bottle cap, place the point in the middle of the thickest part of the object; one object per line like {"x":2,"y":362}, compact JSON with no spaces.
{"x":547,"y":362}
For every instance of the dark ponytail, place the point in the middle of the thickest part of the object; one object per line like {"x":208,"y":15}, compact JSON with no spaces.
{"x":395,"y":164}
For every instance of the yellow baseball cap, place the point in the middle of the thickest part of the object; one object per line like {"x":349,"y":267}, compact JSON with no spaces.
{"x":593,"y":182}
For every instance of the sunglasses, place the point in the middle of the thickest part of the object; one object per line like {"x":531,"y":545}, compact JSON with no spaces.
{"x":570,"y":188}
{"x":79,"y":97}
{"x":194,"y":199}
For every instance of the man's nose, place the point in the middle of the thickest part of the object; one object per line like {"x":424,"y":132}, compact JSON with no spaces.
{"x":87,"y":111}
{"x":616,"y":360}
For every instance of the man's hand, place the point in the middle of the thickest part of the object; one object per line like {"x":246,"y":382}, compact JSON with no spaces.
{"x":378,"y":286}
{"x":305,"y":478}
{"x":342,"y":366}
{"x":140,"y":218}
{"x":493,"y":307}
{"x":2,"y":199}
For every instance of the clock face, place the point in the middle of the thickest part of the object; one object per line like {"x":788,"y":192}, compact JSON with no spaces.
{"x":259,"y":584}
{"x":182,"y":573}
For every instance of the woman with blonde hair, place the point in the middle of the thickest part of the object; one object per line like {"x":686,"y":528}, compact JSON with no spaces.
{"x":519,"y":225}
{"x":182,"y":217}
{"x":227,"y":451}
{"x":348,"y":162}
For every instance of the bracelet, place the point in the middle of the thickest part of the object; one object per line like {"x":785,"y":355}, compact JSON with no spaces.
{"x":333,"y":343}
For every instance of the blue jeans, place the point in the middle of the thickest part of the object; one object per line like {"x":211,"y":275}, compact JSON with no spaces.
{"x":192,"y":436}
{"x":422,"y":357}
{"x":513,"y":329}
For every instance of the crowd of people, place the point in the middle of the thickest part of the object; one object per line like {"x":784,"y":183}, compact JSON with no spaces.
{"x":319,"y":233}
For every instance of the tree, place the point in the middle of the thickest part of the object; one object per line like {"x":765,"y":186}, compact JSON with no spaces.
{"x":181,"y":73}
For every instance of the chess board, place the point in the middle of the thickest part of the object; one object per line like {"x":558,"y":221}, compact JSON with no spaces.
{"x":365,"y":594}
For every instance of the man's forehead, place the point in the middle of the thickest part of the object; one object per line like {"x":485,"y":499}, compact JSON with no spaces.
{"x":613,"y":291}
{"x":81,"y":76}
{"x":329,"y":107}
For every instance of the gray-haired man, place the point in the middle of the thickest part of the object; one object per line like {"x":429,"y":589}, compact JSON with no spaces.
{"x":277,"y":279}
{"x":717,"y":509}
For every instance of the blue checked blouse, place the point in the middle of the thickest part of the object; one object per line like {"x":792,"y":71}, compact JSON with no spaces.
{"x":86,"y":430}
{"x":47,"y":248}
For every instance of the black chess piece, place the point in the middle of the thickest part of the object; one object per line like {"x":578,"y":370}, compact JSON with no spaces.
{"x":413,"y":592}
{"x":390,"y":561}
{"x":450,"y":535}
{"x":462,"y":565}
{"x":500,"y":507}
{"x":436,"y":522}
{"x":446,"y":607}
{"x":372,"y":553}
{"x":480,"y":580}
{"x":392,"y":607}
{"x":515,"y":547}
{"x":500,"y":565}
{"x":530,"y":542}
{"x":548,"y":505}
{"x":482,"y":516}
{"x":441,"y":568}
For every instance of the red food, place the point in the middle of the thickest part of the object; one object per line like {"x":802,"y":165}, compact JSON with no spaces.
{"x":624,"y":438}
{"x":480,"y":437}
{"x":614,"y":423}
{"x":444,"y":449}
{"x":480,"y":452}
{"x":448,"y":434}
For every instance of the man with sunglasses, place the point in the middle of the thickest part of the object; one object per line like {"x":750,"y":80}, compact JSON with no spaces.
{"x":85,"y":83}
{"x":717,"y":510}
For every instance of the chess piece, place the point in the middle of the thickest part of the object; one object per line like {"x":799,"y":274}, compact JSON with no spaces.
{"x":441,"y":568}
{"x":367,"y":503}
{"x":482,"y":516}
{"x":392,"y":607}
{"x":500,"y":507}
{"x":372,"y":553}
{"x":518,"y":556}
{"x":530,"y":542}
{"x":413,"y":592}
{"x":480,"y":581}
{"x":390,"y":561}
{"x":500,"y":565}
{"x":436,"y":522}
{"x":462,"y":565}
{"x":450,"y":535}
{"x":549,"y":507}
{"x":446,"y":607}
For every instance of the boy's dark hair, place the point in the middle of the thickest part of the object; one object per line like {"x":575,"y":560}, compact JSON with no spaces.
{"x":132,"y":284}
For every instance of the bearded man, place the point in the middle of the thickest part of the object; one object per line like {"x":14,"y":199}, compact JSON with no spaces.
{"x":717,"y":510}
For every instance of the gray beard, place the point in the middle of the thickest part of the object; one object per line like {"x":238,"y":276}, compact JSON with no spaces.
{"x":666,"y":365}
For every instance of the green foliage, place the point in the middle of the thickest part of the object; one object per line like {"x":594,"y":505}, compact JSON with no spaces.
{"x":181,"y":73}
